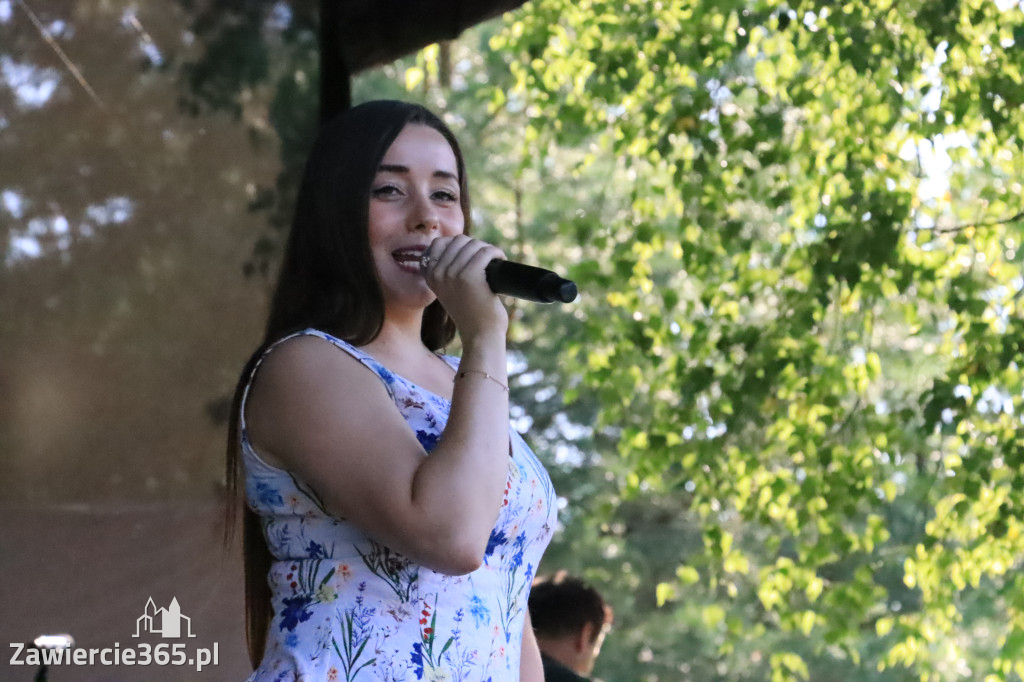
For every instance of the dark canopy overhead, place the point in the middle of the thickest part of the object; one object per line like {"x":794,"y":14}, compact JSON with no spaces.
{"x":375,"y":32}
{"x":353,"y":35}
{"x":360,"y":34}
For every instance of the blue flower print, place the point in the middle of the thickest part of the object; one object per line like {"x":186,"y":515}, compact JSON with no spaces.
{"x":316,"y":550}
{"x":279,"y":534}
{"x":295,"y":612}
{"x":427,"y":440}
{"x":268,"y":495}
{"x":518,"y":546}
{"x":386,"y":375}
{"x":417,"y":659}
{"x":497,"y":538}
{"x":481,"y":614}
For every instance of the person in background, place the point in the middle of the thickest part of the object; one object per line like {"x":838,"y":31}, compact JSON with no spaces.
{"x":393,"y":518}
{"x":570,"y":620}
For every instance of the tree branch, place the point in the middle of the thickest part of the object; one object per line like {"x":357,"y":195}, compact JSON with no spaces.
{"x":60,"y":53}
{"x":966,"y":226}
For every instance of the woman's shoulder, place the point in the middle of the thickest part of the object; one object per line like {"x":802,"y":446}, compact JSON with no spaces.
{"x":291,"y":351}
{"x":310,"y":354}
{"x":310,"y":365}
{"x":309,"y":344}
{"x":297,"y":378}
{"x":312,"y":337}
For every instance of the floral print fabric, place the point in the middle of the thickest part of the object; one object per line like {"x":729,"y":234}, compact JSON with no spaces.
{"x":349,"y":608}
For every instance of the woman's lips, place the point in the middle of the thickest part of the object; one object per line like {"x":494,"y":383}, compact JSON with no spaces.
{"x":408,"y":259}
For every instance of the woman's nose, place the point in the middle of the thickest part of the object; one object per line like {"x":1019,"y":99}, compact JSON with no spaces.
{"x":425,"y":216}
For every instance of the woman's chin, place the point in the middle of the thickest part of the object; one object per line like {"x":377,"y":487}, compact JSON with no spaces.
{"x":411,"y":297}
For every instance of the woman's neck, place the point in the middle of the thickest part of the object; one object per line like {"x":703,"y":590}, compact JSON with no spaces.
{"x":399,"y":337}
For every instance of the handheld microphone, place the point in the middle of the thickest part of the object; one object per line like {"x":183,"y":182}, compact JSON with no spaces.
{"x":509,"y":278}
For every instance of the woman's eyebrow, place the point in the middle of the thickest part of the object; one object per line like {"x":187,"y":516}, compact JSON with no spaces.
{"x":395,"y":168}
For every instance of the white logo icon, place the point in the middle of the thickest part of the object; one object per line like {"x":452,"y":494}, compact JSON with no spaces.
{"x":165,"y":622}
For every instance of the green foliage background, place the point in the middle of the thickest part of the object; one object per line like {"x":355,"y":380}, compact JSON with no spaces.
{"x":799,"y":346}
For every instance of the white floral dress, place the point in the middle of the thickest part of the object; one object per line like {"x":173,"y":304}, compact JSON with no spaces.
{"x":346,"y":607}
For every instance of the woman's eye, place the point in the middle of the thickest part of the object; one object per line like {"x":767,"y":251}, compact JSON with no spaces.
{"x":446,"y":195}
{"x":385,"y":191}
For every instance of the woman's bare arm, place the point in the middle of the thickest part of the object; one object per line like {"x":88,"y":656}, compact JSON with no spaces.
{"x":531,"y":669}
{"x":317,"y":411}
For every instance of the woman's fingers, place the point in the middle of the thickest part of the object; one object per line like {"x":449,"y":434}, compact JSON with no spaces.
{"x":472,"y":257}
{"x":436,"y":253}
{"x":443,"y":250}
{"x":457,"y":278}
{"x":459,"y":257}
{"x":478,"y":261}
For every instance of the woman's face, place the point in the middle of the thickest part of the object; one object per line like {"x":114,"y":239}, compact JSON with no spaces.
{"x":413,"y":199}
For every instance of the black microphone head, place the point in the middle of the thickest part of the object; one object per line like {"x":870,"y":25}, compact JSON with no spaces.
{"x":528,"y":282}
{"x":562,"y":291}
{"x":551,"y":288}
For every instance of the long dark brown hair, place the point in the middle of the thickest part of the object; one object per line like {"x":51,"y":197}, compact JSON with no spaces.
{"x":328,"y":281}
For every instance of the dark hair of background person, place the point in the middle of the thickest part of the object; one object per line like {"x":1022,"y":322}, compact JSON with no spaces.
{"x":562,"y":605}
{"x":328,"y":281}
